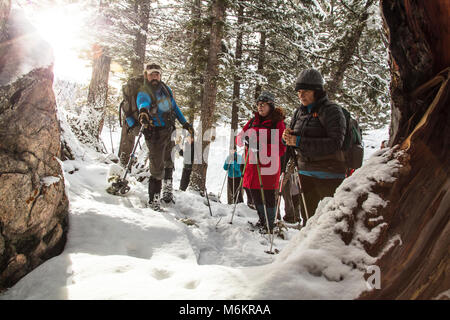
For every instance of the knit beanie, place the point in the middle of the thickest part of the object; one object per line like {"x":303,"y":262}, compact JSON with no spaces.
{"x":268,"y":97}
{"x":309,"y":79}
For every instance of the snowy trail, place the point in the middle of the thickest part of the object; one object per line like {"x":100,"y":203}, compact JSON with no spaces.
{"x":118,"y":248}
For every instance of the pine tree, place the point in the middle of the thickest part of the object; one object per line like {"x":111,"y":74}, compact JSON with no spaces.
{"x":210,"y":88}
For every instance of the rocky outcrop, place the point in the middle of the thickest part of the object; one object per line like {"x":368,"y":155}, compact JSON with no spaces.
{"x":33,"y":203}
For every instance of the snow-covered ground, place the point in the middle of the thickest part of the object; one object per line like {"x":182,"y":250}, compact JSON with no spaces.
{"x":118,"y":248}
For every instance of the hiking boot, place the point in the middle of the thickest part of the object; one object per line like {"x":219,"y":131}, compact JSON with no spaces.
{"x":259,"y":224}
{"x":155,"y":203}
{"x":263,"y":230}
{"x":167,"y":191}
{"x":154,"y":190}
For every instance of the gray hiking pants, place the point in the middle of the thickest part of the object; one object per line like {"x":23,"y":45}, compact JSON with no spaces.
{"x":160,"y":148}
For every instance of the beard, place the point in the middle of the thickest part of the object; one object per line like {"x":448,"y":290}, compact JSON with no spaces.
{"x":154,"y":84}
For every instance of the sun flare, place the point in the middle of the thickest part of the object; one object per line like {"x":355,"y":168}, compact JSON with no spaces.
{"x":62,"y":27}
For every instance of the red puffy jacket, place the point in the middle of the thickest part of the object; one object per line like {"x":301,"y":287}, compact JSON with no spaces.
{"x":270,"y":150}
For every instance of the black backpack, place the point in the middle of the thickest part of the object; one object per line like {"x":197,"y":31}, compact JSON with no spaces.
{"x":353,"y":146}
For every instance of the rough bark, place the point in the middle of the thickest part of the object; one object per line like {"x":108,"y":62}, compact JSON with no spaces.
{"x":196,"y":95}
{"x":90,"y":123}
{"x":237,"y":77}
{"x":98,"y":89}
{"x":5,"y":7}
{"x":142,"y":11}
{"x":33,"y":204}
{"x":210,"y":89}
{"x":418,"y":267}
{"x":261,"y":61}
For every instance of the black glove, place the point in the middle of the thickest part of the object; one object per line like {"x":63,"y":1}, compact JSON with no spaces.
{"x":246,"y":141}
{"x":189,"y":128}
{"x":144,"y":118}
{"x":253,"y":143}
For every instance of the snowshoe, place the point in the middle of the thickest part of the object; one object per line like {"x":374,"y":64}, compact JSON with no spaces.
{"x":255,"y":226}
{"x":118,"y":187}
{"x":211,"y":197}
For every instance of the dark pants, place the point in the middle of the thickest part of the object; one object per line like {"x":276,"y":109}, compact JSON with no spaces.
{"x":232,"y":190}
{"x":249,"y":197}
{"x":269,"y":201}
{"x":185,"y":177}
{"x":160,"y":148}
{"x":187,"y":167}
{"x":315,"y":190}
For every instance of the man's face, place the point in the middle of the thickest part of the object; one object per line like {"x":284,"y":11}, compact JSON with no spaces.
{"x":154,"y":78}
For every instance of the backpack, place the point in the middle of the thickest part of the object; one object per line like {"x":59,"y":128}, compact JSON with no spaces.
{"x":352,"y":146}
{"x":130,"y":91}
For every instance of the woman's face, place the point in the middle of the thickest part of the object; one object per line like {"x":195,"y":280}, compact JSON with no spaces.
{"x":306,"y":96}
{"x":263,"y":108}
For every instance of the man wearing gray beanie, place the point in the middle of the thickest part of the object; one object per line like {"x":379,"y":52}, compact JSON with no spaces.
{"x":315,"y":137}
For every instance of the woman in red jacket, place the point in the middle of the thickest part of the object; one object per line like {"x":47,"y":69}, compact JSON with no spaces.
{"x":262,"y":137}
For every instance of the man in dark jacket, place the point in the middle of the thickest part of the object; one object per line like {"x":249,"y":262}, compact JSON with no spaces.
{"x":157,"y":112}
{"x":317,"y":132}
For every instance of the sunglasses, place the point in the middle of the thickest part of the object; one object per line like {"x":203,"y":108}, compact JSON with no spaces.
{"x":264,"y":99}
{"x":152,"y":66}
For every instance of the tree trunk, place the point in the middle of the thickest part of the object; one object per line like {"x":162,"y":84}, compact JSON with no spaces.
{"x":418,"y":202}
{"x":98,"y":92}
{"x":142,"y":11}
{"x":5,"y":8}
{"x":261,"y":62}
{"x":196,"y":95}
{"x":208,"y":105}
{"x":237,"y":74}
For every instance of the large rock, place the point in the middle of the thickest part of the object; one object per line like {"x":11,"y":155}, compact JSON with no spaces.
{"x":33,"y":203}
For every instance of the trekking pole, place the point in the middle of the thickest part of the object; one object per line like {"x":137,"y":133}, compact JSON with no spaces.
{"x":130,"y":161}
{"x":271,"y":236}
{"x":120,"y":186}
{"x":279,"y":196}
{"x":299,"y":183}
{"x":223,"y":184}
{"x":240,"y":185}
{"x":209,"y":204}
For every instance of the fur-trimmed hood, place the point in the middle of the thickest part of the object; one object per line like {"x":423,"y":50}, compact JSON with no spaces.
{"x":276,"y":115}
